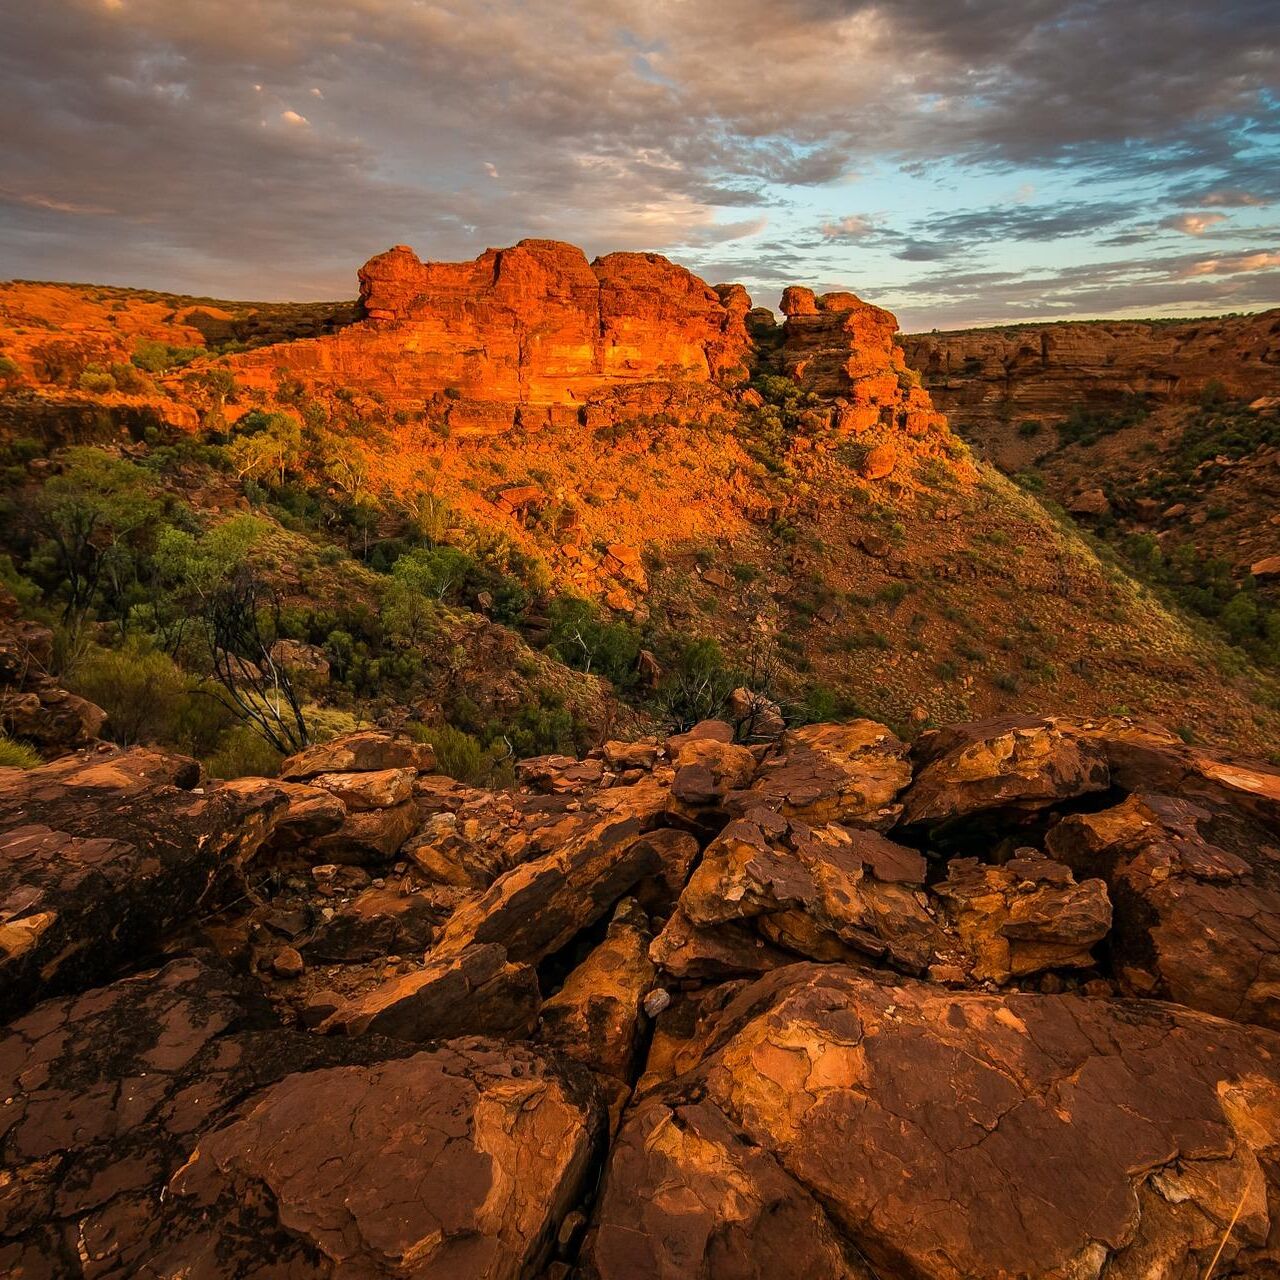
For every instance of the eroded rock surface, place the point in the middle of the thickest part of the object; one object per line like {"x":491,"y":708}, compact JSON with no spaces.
{"x":636,"y":936}
{"x":1196,"y":920}
{"x":951,"y":1136}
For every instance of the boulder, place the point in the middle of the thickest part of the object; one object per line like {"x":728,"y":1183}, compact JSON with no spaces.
{"x":476,"y":992}
{"x":706,"y":772}
{"x":757,"y":717}
{"x":1008,"y":765}
{"x":364,"y":751}
{"x":820,"y":881}
{"x":1197,"y":901}
{"x":309,"y":811}
{"x":102,"y":855}
{"x":595,"y":1017}
{"x":848,"y":773}
{"x":1024,"y":916}
{"x":689,"y":953}
{"x":707,"y":1203}
{"x":950,"y":1135}
{"x":459,"y":1162}
{"x":879,"y":462}
{"x":369,"y":836}
{"x":50,"y":718}
{"x":1092,"y":502}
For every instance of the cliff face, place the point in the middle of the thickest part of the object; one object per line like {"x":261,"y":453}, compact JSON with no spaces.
{"x":840,"y":347}
{"x":534,"y":327}
{"x":985,"y":375}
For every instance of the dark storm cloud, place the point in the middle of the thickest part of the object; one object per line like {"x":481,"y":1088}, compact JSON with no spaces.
{"x":264,"y":146}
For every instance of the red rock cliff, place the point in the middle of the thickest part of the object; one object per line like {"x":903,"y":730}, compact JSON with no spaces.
{"x":1041,"y":371}
{"x":533,"y":325}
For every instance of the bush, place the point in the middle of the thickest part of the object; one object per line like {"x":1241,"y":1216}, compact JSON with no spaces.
{"x":140,"y":688}
{"x":17,"y":755}
{"x":158,"y":357}
{"x":459,"y":754}
{"x":243,"y":753}
{"x":96,"y":380}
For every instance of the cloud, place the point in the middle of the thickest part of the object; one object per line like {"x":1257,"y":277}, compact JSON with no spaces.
{"x":1234,"y":264}
{"x":854,"y":226}
{"x":1193,"y":224}
{"x":667,"y":126}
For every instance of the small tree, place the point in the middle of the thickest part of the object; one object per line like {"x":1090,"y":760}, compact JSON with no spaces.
{"x":257,"y":687}
{"x":266,"y":447}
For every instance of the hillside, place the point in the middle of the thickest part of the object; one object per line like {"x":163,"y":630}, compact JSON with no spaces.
{"x":735,"y":501}
{"x":531,"y":774}
{"x":1161,"y":438}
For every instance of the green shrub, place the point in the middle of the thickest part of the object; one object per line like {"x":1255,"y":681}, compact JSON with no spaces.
{"x":158,"y":357}
{"x":17,"y":755}
{"x":243,"y":753}
{"x":140,"y":688}
{"x":96,"y":380}
{"x":458,"y":753}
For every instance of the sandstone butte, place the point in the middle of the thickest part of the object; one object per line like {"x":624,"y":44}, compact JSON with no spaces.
{"x":536,"y":335}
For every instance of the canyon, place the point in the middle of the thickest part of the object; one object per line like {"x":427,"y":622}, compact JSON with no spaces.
{"x":1013,"y":373}
{"x":549,"y":771}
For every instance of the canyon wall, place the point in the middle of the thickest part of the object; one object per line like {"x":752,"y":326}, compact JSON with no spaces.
{"x":980,"y":376}
{"x":519,"y":333}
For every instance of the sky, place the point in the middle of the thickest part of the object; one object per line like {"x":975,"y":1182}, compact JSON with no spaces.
{"x":958,"y":161}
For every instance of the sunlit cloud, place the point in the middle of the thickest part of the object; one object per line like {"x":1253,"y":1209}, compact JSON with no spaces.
{"x":1015,"y":137}
{"x":1193,"y":224}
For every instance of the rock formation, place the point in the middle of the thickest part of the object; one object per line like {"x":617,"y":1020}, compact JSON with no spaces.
{"x":817,"y":1006}
{"x":527,"y":332}
{"x":536,"y":335}
{"x":837,"y":345}
{"x":1041,"y":371}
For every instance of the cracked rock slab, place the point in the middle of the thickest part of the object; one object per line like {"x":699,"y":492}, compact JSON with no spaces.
{"x":1007,"y":765}
{"x":106,"y":1093}
{"x":848,"y":773}
{"x":537,"y":907}
{"x":953,"y":1135}
{"x":455,"y":1163}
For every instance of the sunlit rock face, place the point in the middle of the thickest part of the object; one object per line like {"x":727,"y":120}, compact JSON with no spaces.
{"x":533,"y":325}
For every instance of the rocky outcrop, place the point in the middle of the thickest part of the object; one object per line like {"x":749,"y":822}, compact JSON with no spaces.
{"x":1003,"y":1004}
{"x":980,"y":376}
{"x":103,"y":854}
{"x":168,"y":1125}
{"x":840,"y":347}
{"x":527,"y":334}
